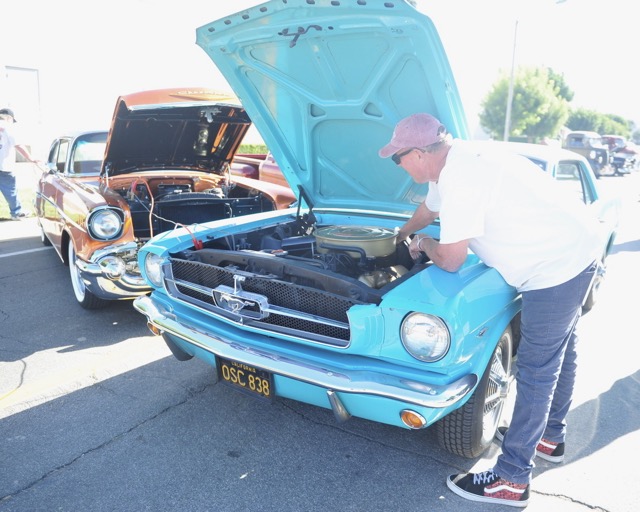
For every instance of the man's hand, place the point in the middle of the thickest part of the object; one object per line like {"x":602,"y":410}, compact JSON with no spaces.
{"x":401,"y":235}
{"x":415,"y":250}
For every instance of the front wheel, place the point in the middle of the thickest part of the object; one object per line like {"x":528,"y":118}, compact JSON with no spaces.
{"x":43,"y":237}
{"x":594,"y":291}
{"x":85,"y":298}
{"x":469,"y":430}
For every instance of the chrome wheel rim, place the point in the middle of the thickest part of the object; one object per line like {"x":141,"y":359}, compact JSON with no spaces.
{"x":76,"y":280}
{"x":497,"y":391}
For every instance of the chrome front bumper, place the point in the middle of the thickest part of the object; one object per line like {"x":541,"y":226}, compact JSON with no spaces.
{"x":125,"y":286}
{"x":329,"y":378}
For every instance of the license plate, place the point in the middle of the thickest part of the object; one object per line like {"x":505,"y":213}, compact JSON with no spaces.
{"x":244,"y":377}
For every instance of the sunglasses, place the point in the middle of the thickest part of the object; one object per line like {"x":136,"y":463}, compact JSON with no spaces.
{"x":397,"y":157}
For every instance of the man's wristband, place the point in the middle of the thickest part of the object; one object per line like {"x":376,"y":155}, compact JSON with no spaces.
{"x":420,"y":244}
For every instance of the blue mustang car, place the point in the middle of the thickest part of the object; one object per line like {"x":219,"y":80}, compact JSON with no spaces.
{"x":320,"y":303}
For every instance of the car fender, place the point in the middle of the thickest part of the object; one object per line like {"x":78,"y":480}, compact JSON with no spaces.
{"x":475,"y":303}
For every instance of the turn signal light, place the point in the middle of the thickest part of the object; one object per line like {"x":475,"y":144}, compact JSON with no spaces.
{"x":412,"y":419}
{"x":155,"y":330}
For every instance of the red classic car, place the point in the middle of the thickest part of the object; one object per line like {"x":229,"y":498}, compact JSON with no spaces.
{"x":626,"y":157}
{"x":261,"y":166}
{"x":163,"y":164}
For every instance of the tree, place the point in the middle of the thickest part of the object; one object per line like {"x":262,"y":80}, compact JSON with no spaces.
{"x":584,"y":119}
{"x":539,"y":107}
{"x":590,"y":120}
{"x":560,"y":85}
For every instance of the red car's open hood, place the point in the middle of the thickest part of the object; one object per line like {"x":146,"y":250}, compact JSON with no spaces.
{"x":190,"y":128}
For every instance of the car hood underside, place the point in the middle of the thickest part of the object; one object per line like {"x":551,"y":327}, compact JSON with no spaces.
{"x":179,"y":129}
{"x":326,"y":82}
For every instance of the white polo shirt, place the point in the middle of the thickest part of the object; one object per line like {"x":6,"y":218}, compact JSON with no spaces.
{"x":515,"y":216}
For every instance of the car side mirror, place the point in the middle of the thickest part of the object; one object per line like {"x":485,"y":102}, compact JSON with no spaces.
{"x":51,"y":168}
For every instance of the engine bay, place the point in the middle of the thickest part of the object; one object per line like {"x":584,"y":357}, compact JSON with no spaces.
{"x":356,"y":262}
{"x":159,"y":204}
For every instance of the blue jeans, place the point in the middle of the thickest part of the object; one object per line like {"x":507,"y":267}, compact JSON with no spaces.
{"x":546,"y":371}
{"x":10,"y":193}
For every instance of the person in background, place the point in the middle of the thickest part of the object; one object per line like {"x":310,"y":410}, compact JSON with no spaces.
{"x":518,"y":221}
{"x":8,"y":148}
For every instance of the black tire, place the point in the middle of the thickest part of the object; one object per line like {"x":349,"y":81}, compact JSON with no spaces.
{"x":469,"y":430}
{"x":43,"y":238}
{"x":592,"y":297}
{"x":85,"y":298}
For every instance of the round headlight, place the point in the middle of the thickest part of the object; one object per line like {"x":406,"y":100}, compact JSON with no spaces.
{"x":105,"y":224}
{"x":425,"y":337}
{"x":153,"y":269}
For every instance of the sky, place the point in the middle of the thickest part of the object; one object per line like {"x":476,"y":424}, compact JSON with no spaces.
{"x":88,"y":56}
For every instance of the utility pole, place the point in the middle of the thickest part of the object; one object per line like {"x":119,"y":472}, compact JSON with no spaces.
{"x":507,"y":119}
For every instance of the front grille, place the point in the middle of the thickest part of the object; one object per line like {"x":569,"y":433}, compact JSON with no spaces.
{"x":308,"y":313}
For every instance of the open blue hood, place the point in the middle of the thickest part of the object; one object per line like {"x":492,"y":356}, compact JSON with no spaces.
{"x":326,"y":81}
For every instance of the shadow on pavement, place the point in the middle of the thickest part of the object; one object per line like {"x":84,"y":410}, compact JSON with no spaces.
{"x":631,"y":246}
{"x":599,"y":422}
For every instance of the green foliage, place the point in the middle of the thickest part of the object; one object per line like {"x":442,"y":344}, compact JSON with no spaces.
{"x":585,"y":119}
{"x":560,"y":85}
{"x":494,"y":113}
{"x":539,"y":108}
{"x":252,"y":149}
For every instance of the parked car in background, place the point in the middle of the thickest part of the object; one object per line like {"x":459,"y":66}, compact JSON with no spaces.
{"x":320,"y":303}
{"x":247,"y":165}
{"x":591,"y":146}
{"x":261,"y":166}
{"x":163,"y":164}
{"x":625,"y":157}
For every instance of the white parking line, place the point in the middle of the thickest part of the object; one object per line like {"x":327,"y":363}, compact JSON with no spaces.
{"x":18,"y":253}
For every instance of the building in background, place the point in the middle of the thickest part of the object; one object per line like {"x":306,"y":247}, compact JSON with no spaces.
{"x":20,"y":91}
